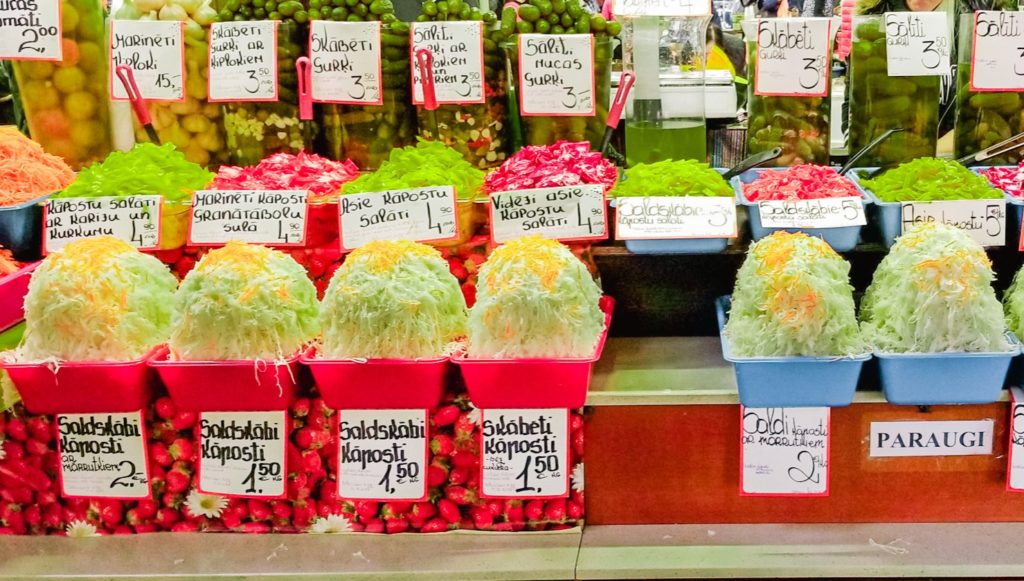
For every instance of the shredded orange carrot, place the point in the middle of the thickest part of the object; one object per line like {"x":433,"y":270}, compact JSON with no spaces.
{"x":7,"y":263}
{"x":26,"y":171}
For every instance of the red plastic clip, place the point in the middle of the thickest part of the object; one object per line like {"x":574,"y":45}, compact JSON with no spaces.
{"x":302,"y":67}
{"x":124,"y":72}
{"x":619,"y":104}
{"x":425,"y":62}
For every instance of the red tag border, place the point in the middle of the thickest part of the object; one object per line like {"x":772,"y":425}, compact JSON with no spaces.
{"x":593,"y":84}
{"x":827,"y":84}
{"x":380,"y":70}
{"x":568,"y":469}
{"x":274,"y":68}
{"x":412,"y":71}
{"x":300,"y":244}
{"x":159,"y":218}
{"x":145,"y":455}
{"x":828,"y":472}
{"x":184,"y":69}
{"x":604,"y":197}
{"x":426,"y":461}
{"x":458,"y":228}
{"x":284,"y":464}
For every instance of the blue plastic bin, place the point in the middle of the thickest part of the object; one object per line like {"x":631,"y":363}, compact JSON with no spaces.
{"x":840,"y":239}
{"x":1014,"y":212}
{"x":944,"y":378}
{"x":791,"y":381}
{"x":21,"y":229}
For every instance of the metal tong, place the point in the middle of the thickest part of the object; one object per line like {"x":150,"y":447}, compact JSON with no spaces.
{"x":1005,"y":146}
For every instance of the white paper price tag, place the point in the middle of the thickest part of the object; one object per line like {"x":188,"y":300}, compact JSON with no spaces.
{"x":997,"y":61}
{"x":1015,"y":456}
{"x":31,"y":30}
{"x":382,"y":454}
{"x":243,"y":61}
{"x":103,"y":455}
{"x":793,"y":57}
{"x":243,"y":453}
{"x":556,"y":74}
{"x":563,"y":213}
{"x":276,"y":217}
{"x":155,"y":52}
{"x":525,"y":453}
{"x":931,"y":438}
{"x":984,"y":220}
{"x":822,"y":213}
{"x":661,"y":8}
{"x":457,"y":51}
{"x":134,"y":219}
{"x":346,"y":65}
{"x":916,"y":44}
{"x":420,"y":214}
{"x":784,"y":451}
{"x":675,"y":217}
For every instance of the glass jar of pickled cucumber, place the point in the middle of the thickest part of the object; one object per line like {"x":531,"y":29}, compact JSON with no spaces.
{"x":366,"y":134}
{"x":194,"y":126}
{"x":65,"y":101}
{"x":545,"y":130}
{"x":879,"y":102}
{"x":799,"y":125}
{"x":258,"y":129}
{"x":983,"y":119}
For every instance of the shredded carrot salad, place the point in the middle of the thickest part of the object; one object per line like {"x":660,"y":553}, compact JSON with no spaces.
{"x":26,"y":171}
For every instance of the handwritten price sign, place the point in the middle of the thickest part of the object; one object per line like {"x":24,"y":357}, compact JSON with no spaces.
{"x":458,"y":61}
{"x":997,"y":61}
{"x":556,"y":74}
{"x":525,"y":453}
{"x":346,"y":62}
{"x":793,"y":56}
{"x":675,"y":217}
{"x":984,"y":220}
{"x":419,"y":214}
{"x":916,"y":44}
{"x":662,"y":8}
{"x":1015,"y":457}
{"x":563,"y":213}
{"x":31,"y":31}
{"x":243,"y":61}
{"x":155,"y":52}
{"x":822,"y":213}
{"x":382,"y":454}
{"x":276,"y":217}
{"x":784,"y":451}
{"x":103,"y":455}
{"x":134,"y":219}
{"x":243,"y":453}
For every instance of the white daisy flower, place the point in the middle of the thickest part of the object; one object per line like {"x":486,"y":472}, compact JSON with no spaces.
{"x":208,"y":505}
{"x":474,"y":415}
{"x":331,"y":524}
{"x":79,"y":529}
{"x":577,"y":477}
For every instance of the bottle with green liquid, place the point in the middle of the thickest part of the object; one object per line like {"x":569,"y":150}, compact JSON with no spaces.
{"x":666,"y":119}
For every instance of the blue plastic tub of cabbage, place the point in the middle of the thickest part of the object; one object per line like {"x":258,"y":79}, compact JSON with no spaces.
{"x":791,"y":381}
{"x":841,"y":239}
{"x":945,"y":378}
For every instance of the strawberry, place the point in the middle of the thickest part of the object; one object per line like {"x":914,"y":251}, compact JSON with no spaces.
{"x":159,"y":453}
{"x":183,"y":420}
{"x":469,"y":293}
{"x":575,"y":422}
{"x":46,"y":497}
{"x":482,"y":517}
{"x":302,"y":513}
{"x":374,"y":526}
{"x":458,"y":269}
{"x":574,"y":510}
{"x":300,"y":408}
{"x":577,"y":443}
{"x":13,"y":450}
{"x":185,"y":265}
{"x":178,"y":481}
{"x":442,"y":445}
{"x":423,"y":510}
{"x":466,"y":524}
{"x":145,"y":528}
{"x":259,"y":510}
{"x":172,"y":500}
{"x":534,"y":510}
{"x":165,"y":408}
{"x":366,"y":509}
{"x":504,"y":527}
{"x":311,"y":461}
{"x":436,"y":475}
{"x":445,"y":415}
{"x":182,"y":449}
{"x":39,"y":429}
{"x":111,"y":512}
{"x":448,"y":510}
{"x":281,"y":509}
{"x":460,"y":495}
{"x":496,"y":507}
{"x":465,"y":459}
{"x":53,"y":517}
{"x":458,"y":475}
{"x":394,"y":510}
{"x":231,"y":521}
{"x":185,"y":527}
{"x":16,"y":429}
{"x":555,"y":510}
{"x":33,"y":515}
{"x":396,"y":525}
{"x":256,"y":528}
{"x":166,"y":517}
{"x":435,"y":525}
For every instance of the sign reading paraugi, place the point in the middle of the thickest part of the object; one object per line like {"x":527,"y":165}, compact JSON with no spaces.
{"x":935,"y":438}
{"x":525,"y":453}
{"x":31,"y":30}
{"x":784,"y":451}
{"x":103,"y":455}
{"x":561,"y":213}
{"x":134,"y":219}
{"x":275,"y":217}
{"x":243,"y":453}
{"x":382,"y":454}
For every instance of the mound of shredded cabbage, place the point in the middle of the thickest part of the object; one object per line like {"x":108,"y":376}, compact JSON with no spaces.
{"x":534,"y":299}
{"x":933,"y":293}
{"x":428,"y":163}
{"x":793,"y":298}
{"x":392,"y":300}
{"x":244,"y":301}
{"x":683,"y":177}
{"x":97,"y":299}
{"x":1013,"y":305}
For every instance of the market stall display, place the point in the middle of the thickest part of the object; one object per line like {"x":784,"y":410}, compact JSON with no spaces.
{"x":65,"y":102}
{"x":563,"y":163}
{"x":879,"y":102}
{"x":194,"y":126}
{"x":934,"y":321}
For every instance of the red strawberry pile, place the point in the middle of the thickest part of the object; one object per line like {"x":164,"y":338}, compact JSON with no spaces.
{"x":30,"y":501}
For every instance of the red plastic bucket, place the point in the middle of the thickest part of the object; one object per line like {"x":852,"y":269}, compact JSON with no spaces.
{"x":532,"y":383}
{"x":245,"y":385}
{"x":13,"y":289}
{"x":378,"y":383}
{"x":83,"y":387}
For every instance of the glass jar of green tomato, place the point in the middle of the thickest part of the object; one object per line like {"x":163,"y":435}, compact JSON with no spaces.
{"x":799,"y":125}
{"x":258,"y":129}
{"x":879,"y":102}
{"x":366,"y":134}
{"x":983,"y":119}
{"x":477,"y":131}
{"x":65,"y":102}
